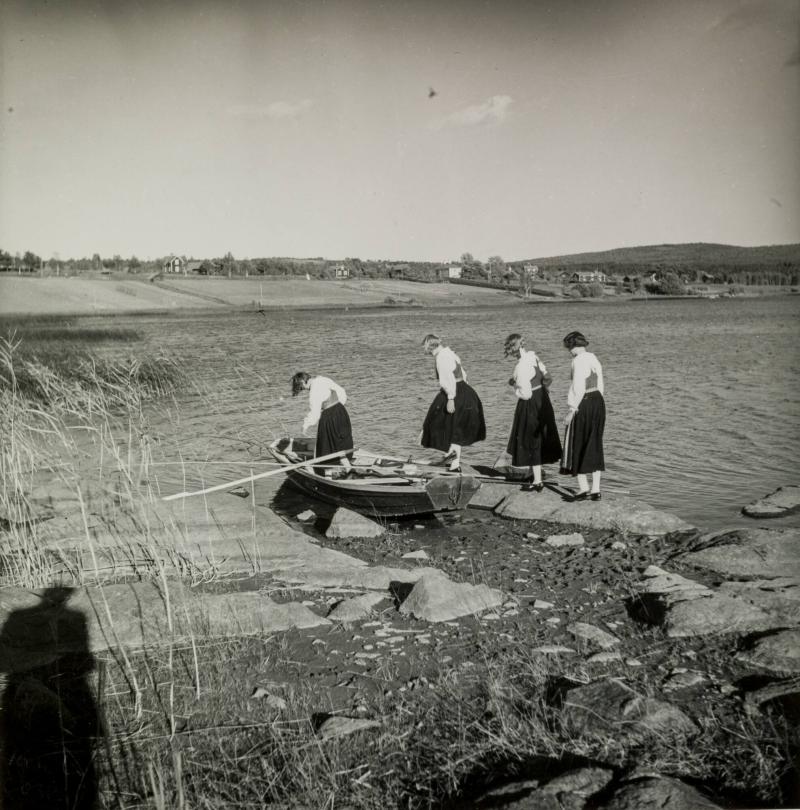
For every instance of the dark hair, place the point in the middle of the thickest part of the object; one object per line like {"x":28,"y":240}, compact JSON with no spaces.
{"x":574,"y":339}
{"x":431,"y":338}
{"x":297,"y":382}
{"x":513,"y":342}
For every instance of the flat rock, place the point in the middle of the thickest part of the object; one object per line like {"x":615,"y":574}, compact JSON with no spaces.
{"x":563,"y":540}
{"x":337,"y":726}
{"x":593,"y":635}
{"x":778,"y":653}
{"x":605,"y":657}
{"x":717,"y":615}
{"x":747,"y":554}
{"x":356,"y":608}
{"x":419,"y":554}
{"x":580,"y":782}
{"x":610,"y":707}
{"x":779,"y":597}
{"x":784,"y":501}
{"x":615,"y":513}
{"x":490,"y":495}
{"x":135,"y":616}
{"x":346,"y":523}
{"x":658,"y":793}
{"x":684,"y":680}
{"x":784,"y":695}
{"x":435,"y":598}
{"x":522,"y":794}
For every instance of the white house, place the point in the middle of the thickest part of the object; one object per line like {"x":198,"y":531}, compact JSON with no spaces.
{"x":454,"y":271}
{"x":174,"y":264}
{"x":340,"y":271}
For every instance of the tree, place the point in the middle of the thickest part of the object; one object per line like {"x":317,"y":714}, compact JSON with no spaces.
{"x":31,"y":260}
{"x":471,"y":267}
{"x":495,"y":268}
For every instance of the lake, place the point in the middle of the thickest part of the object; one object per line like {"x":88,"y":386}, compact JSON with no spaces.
{"x":702,"y":395}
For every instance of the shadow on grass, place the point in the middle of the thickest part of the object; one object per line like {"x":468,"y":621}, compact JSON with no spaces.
{"x":50,"y":723}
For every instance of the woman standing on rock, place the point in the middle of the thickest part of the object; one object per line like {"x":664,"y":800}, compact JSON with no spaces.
{"x":326,"y":401}
{"x":534,"y":434}
{"x":583,"y":443}
{"x":455,"y":417}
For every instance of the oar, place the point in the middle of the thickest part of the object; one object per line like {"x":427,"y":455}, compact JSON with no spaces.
{"x":250,"y":478}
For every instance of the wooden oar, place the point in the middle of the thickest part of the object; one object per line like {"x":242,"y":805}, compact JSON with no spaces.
{"x":250,"y":478}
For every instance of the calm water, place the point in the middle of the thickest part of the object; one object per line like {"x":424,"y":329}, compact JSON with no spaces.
{"x":702,"y":396}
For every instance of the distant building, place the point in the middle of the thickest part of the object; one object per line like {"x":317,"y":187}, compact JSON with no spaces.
{"x":174,"y":264}
{"x":340,"y":271}
{"x":588,"y":276}
{"x":454,"y":271}
{"x":531,"y":270}
{"x":194,"y":267}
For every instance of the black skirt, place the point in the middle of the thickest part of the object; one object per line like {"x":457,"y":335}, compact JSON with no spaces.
{"x":534,"y":436}
{"x":583,"y":442}
{"x":466,"y":426}
{"x":334,"y":431}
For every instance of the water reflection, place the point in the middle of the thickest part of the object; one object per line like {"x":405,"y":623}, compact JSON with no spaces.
{"x":50,"y":721}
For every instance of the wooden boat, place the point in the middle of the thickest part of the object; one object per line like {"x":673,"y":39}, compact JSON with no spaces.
{"x":379,"y":486}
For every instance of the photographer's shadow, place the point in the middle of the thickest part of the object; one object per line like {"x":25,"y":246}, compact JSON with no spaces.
{"x":50,"y":724}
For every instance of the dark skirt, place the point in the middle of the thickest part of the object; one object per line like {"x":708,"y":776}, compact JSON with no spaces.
{"x":334,"y":432}
{"x":466,"y":426}
{"x":583,"y":443}
{"x":534,"y":436}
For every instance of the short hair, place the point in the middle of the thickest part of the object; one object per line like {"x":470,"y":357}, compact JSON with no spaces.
{"x":574,"y":339}
{"x":297,"y":382}
{"x":513,"y":342}
{"x":431,"y":340}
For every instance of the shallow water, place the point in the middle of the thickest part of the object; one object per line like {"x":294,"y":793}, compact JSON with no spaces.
{"x":701,"y":394}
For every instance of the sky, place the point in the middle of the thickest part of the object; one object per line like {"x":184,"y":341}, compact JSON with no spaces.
{"x":396,"y":129}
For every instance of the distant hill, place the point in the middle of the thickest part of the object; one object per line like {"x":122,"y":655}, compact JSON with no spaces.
{"x":695,"y":254}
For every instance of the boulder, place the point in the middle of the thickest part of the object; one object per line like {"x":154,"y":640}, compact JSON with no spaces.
{"x":658,"y":793}
{"x":717,"y":615}
{"x":346,"y":523}
{"x":610,"y":707}
{"x":435,"y":598}
{"x":593,"y":635}
{"x":356,"y":608}
{"x":784,"y":501}
{"x":779,"y":597}
{"x":747,"y":554}
{"x":611,"y":513}
{"x":672,"y":587}
{"x":778,"y":654}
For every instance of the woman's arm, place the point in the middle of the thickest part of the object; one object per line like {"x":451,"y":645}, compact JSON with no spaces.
{"x":317,"y":394}
{"x":577,"y":387}
{"x":445,"y":369}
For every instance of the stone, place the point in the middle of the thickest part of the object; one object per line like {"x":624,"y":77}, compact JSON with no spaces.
{"x":338,"y":726}
{"x":612,"y":513}
{"x":419,"y":554}
{"x":346,"y":523}
{"x":610,"y":707}
{"x":435,"y":598}
{"x":747,"y":554}
{"x":489,"y":495}
{"x":604,"y":657}
{"x":784,"y":695}
{"x":561,"y":540}
{"x":356,"y":608}
{"x":778,"y":653}
{"x":553,"y":649}
{"x":672,"y":586}
{"x":541,"y":604}
{"x":309,"y":514}
{"x":593,"y":635}
{"x":716,"y":615}
{"x":684,"y":680}
{"x":784,"y":501}
{"x":518,"y":795}
{"x":780,"y":597}
{"x":658,"y":793}
{"x":618,"y":545}
{"x":580,"y":782}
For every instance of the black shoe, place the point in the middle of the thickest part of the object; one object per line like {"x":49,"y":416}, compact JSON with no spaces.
{"x":581,"y":496}
{"x":532,"y":487}
{"x":595,"y":496}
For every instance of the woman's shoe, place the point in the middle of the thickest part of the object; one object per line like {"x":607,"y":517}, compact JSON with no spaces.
{"x":531,"y":487}
{"x":581,"y":496}
{"x":595,"y":496}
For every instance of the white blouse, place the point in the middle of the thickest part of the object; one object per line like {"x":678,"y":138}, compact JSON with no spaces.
{"x":524,"y":371}
{"x":322,"y":389}
{"x":446,"y":363}
{"x":584,"y":365}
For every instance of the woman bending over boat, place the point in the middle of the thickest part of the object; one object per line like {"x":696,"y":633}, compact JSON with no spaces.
{"x":455,"y":417}
{"x":586,"y":420}
{"x":326,"y":401}
{"x":534,"y":434}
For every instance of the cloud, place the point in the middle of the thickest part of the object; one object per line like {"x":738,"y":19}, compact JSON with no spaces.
{"x":492,"y":111}
{"x":275,"y":111}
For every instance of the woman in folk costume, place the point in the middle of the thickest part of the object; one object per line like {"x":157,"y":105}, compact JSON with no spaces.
{"x":455,"y":417}
{"x":326,"y":401}
{"x":534,"y":434}
{"x":583,"y":444}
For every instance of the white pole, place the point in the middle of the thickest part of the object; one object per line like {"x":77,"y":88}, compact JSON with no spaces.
{"x":250,"y":478}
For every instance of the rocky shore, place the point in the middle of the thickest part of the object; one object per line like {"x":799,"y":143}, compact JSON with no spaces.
{"x":646,"y":634}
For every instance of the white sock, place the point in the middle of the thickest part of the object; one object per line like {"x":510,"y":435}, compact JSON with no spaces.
{"x":583,"y":482}
{"x":596,"y":481}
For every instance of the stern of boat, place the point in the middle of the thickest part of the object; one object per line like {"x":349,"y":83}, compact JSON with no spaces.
{"x":449,"y":492}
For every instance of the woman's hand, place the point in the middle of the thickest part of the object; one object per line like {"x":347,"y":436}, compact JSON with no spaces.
{"x":451,"y":406}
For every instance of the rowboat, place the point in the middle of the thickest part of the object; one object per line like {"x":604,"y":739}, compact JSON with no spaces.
{"x":378,"y":486}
